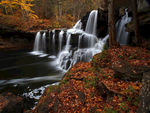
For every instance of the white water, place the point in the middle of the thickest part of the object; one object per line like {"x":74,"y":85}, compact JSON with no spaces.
{"x":44,"y":43}
{"x":37,"y":42}
{"x":39,"y":45}
{"x":53,"y":42}
{"x":68,"y":57}
{"x":79,"y":41}
{"x":92,"y":23}
{"x":78,"y":25}
{"x":122,"y":35}
{"x":60,"y":40}
{"x":88,"y":43}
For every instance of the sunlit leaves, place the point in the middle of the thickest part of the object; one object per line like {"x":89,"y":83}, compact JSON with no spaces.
{"x":12,"y":6}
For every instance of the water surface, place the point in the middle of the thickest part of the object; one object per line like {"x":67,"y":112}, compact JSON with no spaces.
{"x":25,"y":74}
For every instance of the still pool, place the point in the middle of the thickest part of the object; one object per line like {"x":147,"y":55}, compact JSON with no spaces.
{"x":27,"y":75}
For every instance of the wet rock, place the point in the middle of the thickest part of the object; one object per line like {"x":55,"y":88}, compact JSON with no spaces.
{"x":102,"y":22}
{"x":10,"y":103}
{"x":84,"y":20}
{"x":144,"y":26}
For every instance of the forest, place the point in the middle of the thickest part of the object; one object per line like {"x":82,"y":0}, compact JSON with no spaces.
{"x":46,"y":14}
{"x":74,"y":56}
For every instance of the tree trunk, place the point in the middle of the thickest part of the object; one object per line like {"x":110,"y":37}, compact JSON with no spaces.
{"x":111,"y":24}
{"x":136,"y":21}
{"x":144,"y":105}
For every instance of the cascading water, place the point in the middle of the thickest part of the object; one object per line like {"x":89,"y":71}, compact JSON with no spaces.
{"x":122,"y":35}
{"x":92,"y":23}
{"x":88,"y":43}
{"x":44,"y":43}
{"x":60,"y":40}
{"x":37,"y":42}
{"x":68,"y":57}
{"x":78,"y":25}
{"x":53,"y":41}
{"x":79,"y":41}
{"x":67,"y":48}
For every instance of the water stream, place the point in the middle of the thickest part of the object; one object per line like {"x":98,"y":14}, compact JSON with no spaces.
{"x":27,"y":74}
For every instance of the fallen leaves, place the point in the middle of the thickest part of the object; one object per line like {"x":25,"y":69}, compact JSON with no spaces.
{"x":78,"y":92}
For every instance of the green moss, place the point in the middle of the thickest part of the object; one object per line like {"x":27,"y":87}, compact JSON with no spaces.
{"x":65,"y":81}
{"x":53,"y":88}
{"x":130,"y":90}
{"x":102,"y":55}
{"x":133,"y":56}
{"x":105,"y":47}
{"x":120,"y":56}
{"x":90,"y":82}
{"x":124,"y":107}
{"x":92,"y":95}
{"x":109,"y":110}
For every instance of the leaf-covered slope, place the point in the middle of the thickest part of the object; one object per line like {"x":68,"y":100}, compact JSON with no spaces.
{"x":97,"y":87}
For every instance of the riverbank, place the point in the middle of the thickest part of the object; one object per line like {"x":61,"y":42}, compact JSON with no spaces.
{"x":15,"y":44}
{"x":111,"y":82}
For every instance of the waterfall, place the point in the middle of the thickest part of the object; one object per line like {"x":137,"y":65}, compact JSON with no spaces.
{"x":79,"y":41}
{"x":78,"y":25}
{"x":60,"y":40}
{"x":69,"y":57}
{"x":37,"y":42}
{"x":87,"y":45}
{"x":67,"y":48}
{"x":53,"y":41}
{"x":92,"y":23}
{"x":122,"y":35}
{"x":44,"y":43}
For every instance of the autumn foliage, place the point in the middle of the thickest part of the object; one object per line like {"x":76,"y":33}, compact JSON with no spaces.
{"x":95,"y":86}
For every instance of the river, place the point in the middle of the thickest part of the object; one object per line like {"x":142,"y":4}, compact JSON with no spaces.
{"x":27,"y":75}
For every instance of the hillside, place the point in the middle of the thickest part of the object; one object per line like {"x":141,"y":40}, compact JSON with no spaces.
{"x":110,"y":83}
